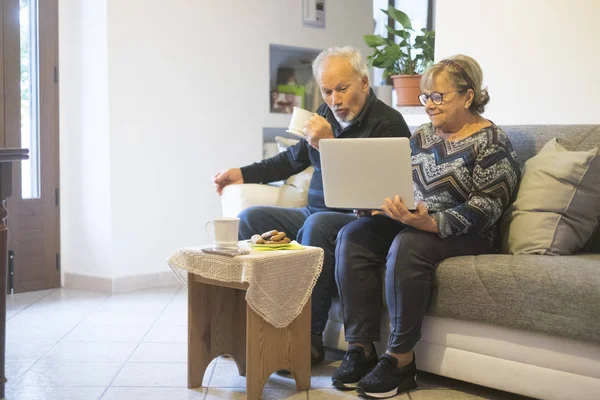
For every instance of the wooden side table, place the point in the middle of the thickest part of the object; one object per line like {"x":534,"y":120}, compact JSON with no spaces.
{"x":220,"y":322}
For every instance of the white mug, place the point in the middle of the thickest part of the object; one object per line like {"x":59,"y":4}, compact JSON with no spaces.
{"x":299,"y":117}
{"x":224,"y":231}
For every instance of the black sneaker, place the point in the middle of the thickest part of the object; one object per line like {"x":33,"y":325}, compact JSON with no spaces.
{"x":387,"y":380}
{"x":354,"y":367}
{"x":317,"y":351}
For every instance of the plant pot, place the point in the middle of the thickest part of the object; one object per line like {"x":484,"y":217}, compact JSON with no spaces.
{"x":407,"y":89}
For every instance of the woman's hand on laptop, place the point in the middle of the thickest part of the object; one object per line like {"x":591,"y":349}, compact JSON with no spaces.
{"x":419,"y":219}
{"x":317,"y":128}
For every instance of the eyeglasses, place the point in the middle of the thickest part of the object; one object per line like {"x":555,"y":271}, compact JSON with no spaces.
{"x":436,"y":97}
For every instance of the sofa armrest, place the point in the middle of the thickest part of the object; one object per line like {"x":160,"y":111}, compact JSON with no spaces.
{"x":236,"y":198}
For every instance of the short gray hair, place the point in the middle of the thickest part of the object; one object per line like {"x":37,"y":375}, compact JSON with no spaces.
{"x":349,"y":53}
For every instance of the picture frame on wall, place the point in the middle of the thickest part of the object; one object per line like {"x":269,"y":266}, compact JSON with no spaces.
{"x":313,"y":13}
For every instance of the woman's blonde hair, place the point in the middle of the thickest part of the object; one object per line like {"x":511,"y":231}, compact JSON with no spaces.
{"x":466,"y":74}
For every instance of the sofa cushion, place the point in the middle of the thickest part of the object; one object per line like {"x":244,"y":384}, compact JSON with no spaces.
{"x":299,"y":181}
{"x":555,"y":295}
{"x":236,"y":198}
{"x":557,"y":205}
{"x":284,"y":143}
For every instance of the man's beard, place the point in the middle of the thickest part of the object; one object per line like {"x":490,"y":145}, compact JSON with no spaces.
{"x":348,"y":118}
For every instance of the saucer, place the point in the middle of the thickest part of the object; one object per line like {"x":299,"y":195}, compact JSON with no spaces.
{"x":225,"y":246}
{"x":297,"y":133}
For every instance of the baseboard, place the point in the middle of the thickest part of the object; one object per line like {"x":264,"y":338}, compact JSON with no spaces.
{"x":87,"y":282}
{"x":119,"y":284}
{"x":132,"y":283}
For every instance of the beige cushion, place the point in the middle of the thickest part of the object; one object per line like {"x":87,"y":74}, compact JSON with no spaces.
{"x":284,"y":143}
{"x":299,"y":181}
{"x":236,"y":198}
{"x":557,"y":205}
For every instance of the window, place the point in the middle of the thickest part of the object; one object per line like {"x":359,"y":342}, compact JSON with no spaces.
{"x":30,"y":128}
{"x":420,"y":14}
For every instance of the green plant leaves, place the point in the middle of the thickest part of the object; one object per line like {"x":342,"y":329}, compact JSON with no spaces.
{"x":403,"y":34}
{"x":374,"y":40}
{"x":398,"y":16}
{"x":389,"y":56}
{"x":409,"y":56}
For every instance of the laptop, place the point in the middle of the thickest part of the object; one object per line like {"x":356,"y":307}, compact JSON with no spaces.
{"x":361,"y":173}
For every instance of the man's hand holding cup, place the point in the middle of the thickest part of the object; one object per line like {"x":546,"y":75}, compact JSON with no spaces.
{"x":310,"y":126}
{"x":317,"y":128}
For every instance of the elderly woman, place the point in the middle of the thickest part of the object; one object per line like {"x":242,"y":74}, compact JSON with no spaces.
{"x":465,"y":173}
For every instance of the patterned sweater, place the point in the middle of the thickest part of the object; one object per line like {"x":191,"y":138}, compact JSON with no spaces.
{"x":465,"y":184}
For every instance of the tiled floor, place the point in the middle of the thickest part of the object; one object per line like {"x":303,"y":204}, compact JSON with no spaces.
{"x":70,"y":344}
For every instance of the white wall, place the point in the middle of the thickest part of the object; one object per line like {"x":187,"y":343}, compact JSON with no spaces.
{"x":86,"y":240}
{"x":188,"y":90}
{"x":540,"y":58}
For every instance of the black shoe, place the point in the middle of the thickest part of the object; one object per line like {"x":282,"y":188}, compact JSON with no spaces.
{"x":354,"y":367}
{"x":317,"y":351}
{"x":387,"y":380}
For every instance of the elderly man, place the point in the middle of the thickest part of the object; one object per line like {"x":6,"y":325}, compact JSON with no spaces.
{"x":351,"y":110}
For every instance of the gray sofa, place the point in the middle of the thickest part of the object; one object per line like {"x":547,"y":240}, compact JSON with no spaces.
{"x":527,"y":324}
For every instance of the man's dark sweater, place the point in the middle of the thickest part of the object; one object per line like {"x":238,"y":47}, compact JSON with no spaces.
{"x":376,"y":119}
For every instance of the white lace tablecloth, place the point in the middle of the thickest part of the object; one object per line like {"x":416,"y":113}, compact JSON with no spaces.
{"x":279,"y":282}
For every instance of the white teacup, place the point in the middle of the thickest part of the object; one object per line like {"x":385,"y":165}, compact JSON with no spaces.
{"x":299,"y":117}
{"x":224,"y":231}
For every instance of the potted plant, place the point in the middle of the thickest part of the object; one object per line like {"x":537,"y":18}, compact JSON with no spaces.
{"x":405,"y":61}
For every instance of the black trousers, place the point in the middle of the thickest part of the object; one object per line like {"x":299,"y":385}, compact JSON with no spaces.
{"x":410,"y":257}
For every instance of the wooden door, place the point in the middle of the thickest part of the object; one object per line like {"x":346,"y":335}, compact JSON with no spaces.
{"x":31,"y":93}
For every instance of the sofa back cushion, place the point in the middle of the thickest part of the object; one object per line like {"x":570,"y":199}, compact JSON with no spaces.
{"x":528,"y":140}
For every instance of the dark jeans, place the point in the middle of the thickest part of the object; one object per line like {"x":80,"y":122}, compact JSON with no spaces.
{"x":410,"y":257}
{"x":319,"y":229}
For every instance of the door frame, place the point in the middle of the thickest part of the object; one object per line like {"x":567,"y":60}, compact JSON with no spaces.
{"x":48,"y":125}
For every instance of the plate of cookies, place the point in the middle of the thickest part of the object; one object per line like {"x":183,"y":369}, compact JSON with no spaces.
{"x":273,"y":240}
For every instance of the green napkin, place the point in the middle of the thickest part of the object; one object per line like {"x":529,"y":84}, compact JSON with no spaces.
{"x":272,"y":247}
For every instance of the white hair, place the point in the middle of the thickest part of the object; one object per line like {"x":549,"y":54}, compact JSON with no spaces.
{"x":347,"y":52}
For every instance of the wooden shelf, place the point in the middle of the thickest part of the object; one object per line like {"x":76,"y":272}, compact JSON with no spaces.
{"x":291,"y":67}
